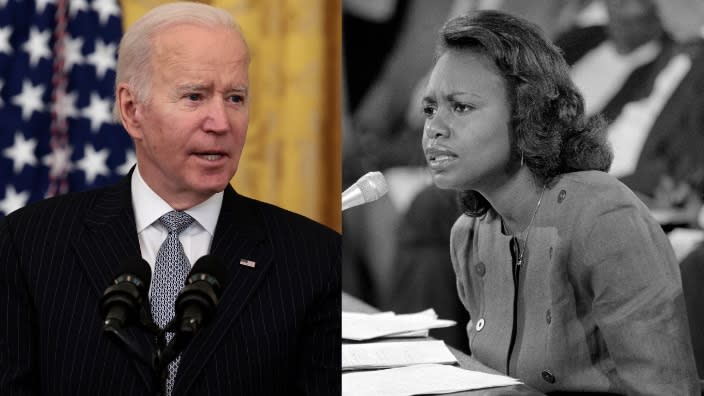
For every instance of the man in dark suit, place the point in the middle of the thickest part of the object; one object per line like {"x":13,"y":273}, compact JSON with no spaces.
{"x":662,"y":80}
{"x":182,"y":95}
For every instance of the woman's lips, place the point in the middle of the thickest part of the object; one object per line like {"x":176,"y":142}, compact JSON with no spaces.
{"x":439,"y":158}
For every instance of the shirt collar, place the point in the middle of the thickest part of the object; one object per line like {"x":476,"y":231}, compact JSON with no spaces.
{"x":149,"y":206}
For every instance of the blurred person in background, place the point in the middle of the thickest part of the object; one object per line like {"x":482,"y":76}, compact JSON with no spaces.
{"x":643,"y":70}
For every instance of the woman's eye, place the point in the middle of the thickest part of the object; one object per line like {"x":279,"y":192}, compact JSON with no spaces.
{"x":429,"y":111}
{"x":194,"y":96}
{"x":236,"y":98}
{"x":461,"y":108}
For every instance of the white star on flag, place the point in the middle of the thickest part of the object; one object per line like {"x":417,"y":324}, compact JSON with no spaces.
{"x":106,"y":8}
{"x":103,"y":58}
{"x":13,"y":200}
{"x":77,"y":5}
{"x":21,"y":153}
{"x":98,"y":111}
{"x":58,"y":161}
{"x":5,"y":46}
{"x":30,"y":99}
{"x":41,"y":5}
{"x":72,"y":52}
{"x":37,"y":46}
{"x":94,"y":163}
{"x":66,"y":105}
{"x":130,"y":160}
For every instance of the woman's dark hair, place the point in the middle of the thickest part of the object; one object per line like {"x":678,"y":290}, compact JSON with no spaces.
{"x":550,"y":131}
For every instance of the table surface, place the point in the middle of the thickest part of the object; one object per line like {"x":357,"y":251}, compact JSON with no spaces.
{"x":352,"y":304}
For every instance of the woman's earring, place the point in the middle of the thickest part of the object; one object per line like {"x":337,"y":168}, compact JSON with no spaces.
{"x":521,"y":158}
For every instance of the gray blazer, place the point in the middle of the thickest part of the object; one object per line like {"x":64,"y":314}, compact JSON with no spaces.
{"x":599,"y":303}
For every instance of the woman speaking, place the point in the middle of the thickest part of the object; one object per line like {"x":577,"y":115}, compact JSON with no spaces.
{"x":569,"y":282}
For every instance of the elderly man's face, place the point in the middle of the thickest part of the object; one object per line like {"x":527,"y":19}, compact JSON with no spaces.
{"x":192,"y":129}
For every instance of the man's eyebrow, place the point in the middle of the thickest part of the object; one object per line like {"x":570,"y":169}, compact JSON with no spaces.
{"x":192,"y":87}
{"x":240,"y":89}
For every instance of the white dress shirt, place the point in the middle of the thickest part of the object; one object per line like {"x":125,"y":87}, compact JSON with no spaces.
{"x":149,"y":207}
{"x":601,"y":73}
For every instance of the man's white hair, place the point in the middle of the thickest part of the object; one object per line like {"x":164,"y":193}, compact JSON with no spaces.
{"x":136,"y":46}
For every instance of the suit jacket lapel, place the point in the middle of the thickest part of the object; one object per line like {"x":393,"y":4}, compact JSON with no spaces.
{"x":108,"y":237}
{"x":239,"y":235}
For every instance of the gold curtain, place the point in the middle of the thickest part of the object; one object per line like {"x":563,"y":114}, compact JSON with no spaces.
{"x":292,"y":155}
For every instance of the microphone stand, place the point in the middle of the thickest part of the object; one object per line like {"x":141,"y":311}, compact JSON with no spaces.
{"x":167,"y":352}
{"x":119,"y":335}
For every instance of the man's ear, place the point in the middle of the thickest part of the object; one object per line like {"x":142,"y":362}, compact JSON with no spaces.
{"x":129,"y":110}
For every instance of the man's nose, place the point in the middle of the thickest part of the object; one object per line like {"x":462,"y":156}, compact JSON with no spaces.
{"x":217,"y":120}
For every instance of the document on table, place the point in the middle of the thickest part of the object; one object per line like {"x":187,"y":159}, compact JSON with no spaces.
{"x":426,"y":379}
{"x":421,"y":333}
{"x":360,"y":327}
{"x":394,"y":354}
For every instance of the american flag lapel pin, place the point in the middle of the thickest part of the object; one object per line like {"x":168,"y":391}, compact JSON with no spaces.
{"x":247,"y":263}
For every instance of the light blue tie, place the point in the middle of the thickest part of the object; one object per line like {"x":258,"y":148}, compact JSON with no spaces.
{"x":170,"y":273}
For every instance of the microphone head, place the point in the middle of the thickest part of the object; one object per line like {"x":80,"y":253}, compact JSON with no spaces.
{"x":373,"y":186}
{"x":196,"y":302}
{"x":207,"y":268}
{"x":121,"y":302}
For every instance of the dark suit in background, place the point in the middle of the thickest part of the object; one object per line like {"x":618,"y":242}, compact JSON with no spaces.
{"x":276,"y":329}
{"x":673,"y":144}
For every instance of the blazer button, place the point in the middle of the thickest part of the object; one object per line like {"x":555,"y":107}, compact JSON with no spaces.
{"x":480,"y":324}
{"x":561,"y":196}
{"x":548,"y":316}
{"x":548,"y":377}
{"x":480,"y":268}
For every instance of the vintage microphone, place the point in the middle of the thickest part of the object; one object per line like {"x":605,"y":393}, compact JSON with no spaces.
{"x":121,"y":303}
{"x":368,"y":188}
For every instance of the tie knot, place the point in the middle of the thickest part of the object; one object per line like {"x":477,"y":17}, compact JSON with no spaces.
{"x":176,"y":221}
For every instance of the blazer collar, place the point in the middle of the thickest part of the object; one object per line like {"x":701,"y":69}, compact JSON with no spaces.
{"x":109,"y":235}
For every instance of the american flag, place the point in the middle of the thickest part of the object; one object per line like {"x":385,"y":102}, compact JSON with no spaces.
{"x":57,"y":71}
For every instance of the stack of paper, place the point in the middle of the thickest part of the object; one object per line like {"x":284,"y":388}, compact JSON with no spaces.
{"x":419,"y":380}
{"x":359,"y":327}
{"x":394,"y":354}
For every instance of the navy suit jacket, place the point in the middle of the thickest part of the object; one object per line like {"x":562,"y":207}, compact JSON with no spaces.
{"x":276,"y":329}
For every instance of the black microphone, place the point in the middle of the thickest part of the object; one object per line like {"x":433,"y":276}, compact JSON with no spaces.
{"x":196,"y":302}
{"x":121,"y":302}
